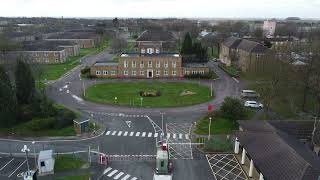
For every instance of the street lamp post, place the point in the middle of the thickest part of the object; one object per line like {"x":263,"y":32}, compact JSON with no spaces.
{"x":211,"y":89}
{"x":162,"y":134}
{"x":84,"y":89}
{"x":115,"y":100}
{"x":210,"y":118}
{"x":34,"y":152}
{"x":26,"y":150}
{"x":141,"y":99}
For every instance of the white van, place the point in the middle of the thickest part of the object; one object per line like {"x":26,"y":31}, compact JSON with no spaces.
{"x":249,"y":94}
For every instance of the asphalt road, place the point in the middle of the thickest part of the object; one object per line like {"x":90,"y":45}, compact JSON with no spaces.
{"x":133,"y":154}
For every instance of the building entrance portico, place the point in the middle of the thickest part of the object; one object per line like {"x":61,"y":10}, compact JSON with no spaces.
{"x":149,"y":73}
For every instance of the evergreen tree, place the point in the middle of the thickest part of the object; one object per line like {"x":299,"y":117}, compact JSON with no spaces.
{"x":187,"y":48}
{"x":25,"y":85}
{"x":8,"y":104}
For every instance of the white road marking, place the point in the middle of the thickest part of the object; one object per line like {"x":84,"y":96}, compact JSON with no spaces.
{"x":168,"y":135}
{"x":108,"y":133}
{"x":118,"y":176}
{"x":187,"y":136}
{"x":7,"y":164}
{"x":107,"y":170}
{"x":150,"y":134}
{"x":125,"y":133}
{"x":155,"y":135}
{"x":174,"y":136}
{"x":120,"y":132}
{"x":114,"y":133}
{"x":137,"y":134}
{"x":236,"y":80}
{"x":17,"y":168}
{"x":134,"y":178}
{"x":143,"y":134}
{"x":126,"y":177}
{"x":112,"y":173}
{"x":131,"y":134}
{"x":180,"y":136}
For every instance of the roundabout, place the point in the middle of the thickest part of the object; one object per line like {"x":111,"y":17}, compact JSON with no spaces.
{"x":147,"y":94}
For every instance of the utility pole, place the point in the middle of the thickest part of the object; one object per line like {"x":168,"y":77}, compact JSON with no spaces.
{"x":162,"y":134}
{"x":211,"y":89}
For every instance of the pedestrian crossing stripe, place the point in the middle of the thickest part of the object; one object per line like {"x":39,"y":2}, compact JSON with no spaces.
{"x":147,"y":134}
{"x":116,"y":174}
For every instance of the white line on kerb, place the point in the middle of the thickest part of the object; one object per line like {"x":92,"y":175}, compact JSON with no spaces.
{"x":236,"y":80}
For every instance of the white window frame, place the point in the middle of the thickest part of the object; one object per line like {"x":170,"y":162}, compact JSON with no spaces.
{"x":141,"y":72}
{"x":143,"y":51}
{"x":166,"y":72}
{"x":113,"y":72}
{"x":125,"y":64}
{"x":187,"y":72}
{"x":157,"y":51}
{"x":174,"y":64}
{"x":158,"y":64}
{"x":98,"y":72}
{"x":166,"y":64}
{"x":134,"y":64}
{"x":141,"y":64}
{"x":125,"y":72}
{"x":158,"y":72}
{"x":134,"y":73}
{"x":174,"y":73}
{"x":105,"y":72}
{"x":150,"y":64}
{"x":150,"y":50}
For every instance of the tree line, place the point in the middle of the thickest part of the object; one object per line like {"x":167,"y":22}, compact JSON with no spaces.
{"x":193,"y":51}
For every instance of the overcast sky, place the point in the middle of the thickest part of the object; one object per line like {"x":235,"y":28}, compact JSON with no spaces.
{"x":162,"y":8}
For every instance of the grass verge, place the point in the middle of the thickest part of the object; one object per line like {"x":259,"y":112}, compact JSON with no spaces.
{"x":77,"y":177}
{"x":67,"y":162}
{"x":231,"y":70}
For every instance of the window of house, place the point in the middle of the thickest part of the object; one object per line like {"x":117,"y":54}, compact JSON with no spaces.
{"x":194,"y":72}
{"x":166,"y":65}
{"x":174,"y":73}
{"x":158,"y":64}
{"x":157,"y":51}
{"x":125,"y":64}
{"x":174,"y":64}
{"x":47,"y":60}
{"x":141,"y":64}
{"x":186,"y":72}
{"x":57,"y":60}
{"x":150,"y":50}
{"x":143,"y":51}
{"x":134,"y":73}
{"x":42,"y":164}
{"x":166,"y":72}
{"x":46,"y":54}
{"x":125,"y":72}
{"x":158,"y":72}
{"x":134,"y":64}
{"x":150,"y":64}
{"x":98,"y":72}
{"x":142,"y":72}
{"x":258,"y":56}
{"x":105,"y":72}
{"x":113,"y":72}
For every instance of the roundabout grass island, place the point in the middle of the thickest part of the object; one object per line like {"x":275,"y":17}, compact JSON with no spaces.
{"x":166,"y":94}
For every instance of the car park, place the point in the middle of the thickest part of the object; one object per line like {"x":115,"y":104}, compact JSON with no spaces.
{"x":253,"y":104}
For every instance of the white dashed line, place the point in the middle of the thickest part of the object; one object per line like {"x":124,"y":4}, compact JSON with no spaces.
{"x":137,"y":134}
{"x":155,"y":135}
{"x":180,"y":136}
{"x":125,"y":133}
{"x":150,"y":134}
{"x":114,"y":133}
{"x":120,"y":132}
{"x":187,"y":136}
{"x":143,"y":134}
{"x":168,"y":135}
{"x":108,"y":133}
{"x":126,"y":177}
{"x":17,"y":168}
{"x":112,"y":173}
{"x":7,"y":164}
{"x":131,"y":134}
{"x":118,"y":175}
{"x":174,"y":136}
{"x":134,"y":178}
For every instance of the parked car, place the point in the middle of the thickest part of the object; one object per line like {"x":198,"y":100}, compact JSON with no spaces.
{"x":253,"y":104}
{"x":249,"y":94}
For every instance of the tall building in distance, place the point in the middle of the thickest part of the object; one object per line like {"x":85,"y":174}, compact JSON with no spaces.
{"x":269,"y":27}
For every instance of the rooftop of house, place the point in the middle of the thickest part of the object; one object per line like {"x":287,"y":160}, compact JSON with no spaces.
{"x":251,"y":46}
{"x":162,"y":54}
{"x":276,"y":150}
{"x":70,"y":35}
{"x":195,"y":65}
{"x":51,"y":43}
{"x":156,"y":35}
{"x":232,"y":42}
{"x":106,"y":63}
{"x":40,"y":46}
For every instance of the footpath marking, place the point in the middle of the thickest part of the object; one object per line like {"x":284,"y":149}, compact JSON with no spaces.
{"x":17,"y":168}
{"x":120,"y":132}
{"x":107,"y":170}
{"x":108,"y":133}
{"x":128,"y":123}
{"x":126,"y":177}
{"x":125,"y":133}
{"x":112,"y":173}
{"x":7,"y":164}
{"x":143,"y":134}
{"x":118,"y":175}
{"x":236,"y":80}
{"x":131,"y":134}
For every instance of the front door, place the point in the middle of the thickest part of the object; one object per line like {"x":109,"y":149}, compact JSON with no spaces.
{"x":150,"y":74}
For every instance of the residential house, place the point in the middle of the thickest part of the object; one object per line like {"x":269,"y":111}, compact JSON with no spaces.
{"x":166,"y":38}
{"x":228,"y":52}
{"x":276,"y":150}
{"x":84,"y":40}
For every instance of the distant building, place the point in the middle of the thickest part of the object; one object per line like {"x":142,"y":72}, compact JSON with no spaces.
{"x":269,"y":28}
{"x":228,"y":52}
{"x":84,"y":40}
{"x":166,"y":39}
{"x":276,"y":150}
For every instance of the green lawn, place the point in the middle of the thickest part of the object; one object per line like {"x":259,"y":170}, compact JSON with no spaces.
{"x":171,"y":94}
{"x":231,"y":70}
{"x":55,"y":71}
{"x":78,"y":177}
{"x":67,"y":162}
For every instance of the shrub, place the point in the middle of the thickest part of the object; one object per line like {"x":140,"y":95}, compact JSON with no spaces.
{"x":65,"y":118}
{"x":209,"y":75}
{"x":41,"y":124}
{"x":85,"y":70}
{"x":149,"y":93}
{"x":232,"y":109}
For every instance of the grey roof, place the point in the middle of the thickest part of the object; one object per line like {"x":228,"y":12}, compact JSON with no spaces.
{"x":196,"y":65}
{"x":162,"y":54}
{"x":252,"y":46}
{"x":47,"y":154}
{"x":277,"y":154}
{"x":232,"y":42}
{"x":81,"y":120}
{"x":106,"y":63}
{"x":40,"y":46}
{"x":78,"y":35}
{"x":156,"y":35}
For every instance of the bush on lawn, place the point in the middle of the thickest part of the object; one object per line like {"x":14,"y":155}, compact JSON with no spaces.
{"x":232,"y":109}
{"x":85,"y":70}
{"x":150,"y":93}
{"x":65,"y":118}
{"x":40,"y":124}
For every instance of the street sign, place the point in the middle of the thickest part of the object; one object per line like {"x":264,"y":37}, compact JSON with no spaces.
{"x":128,"y":123}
